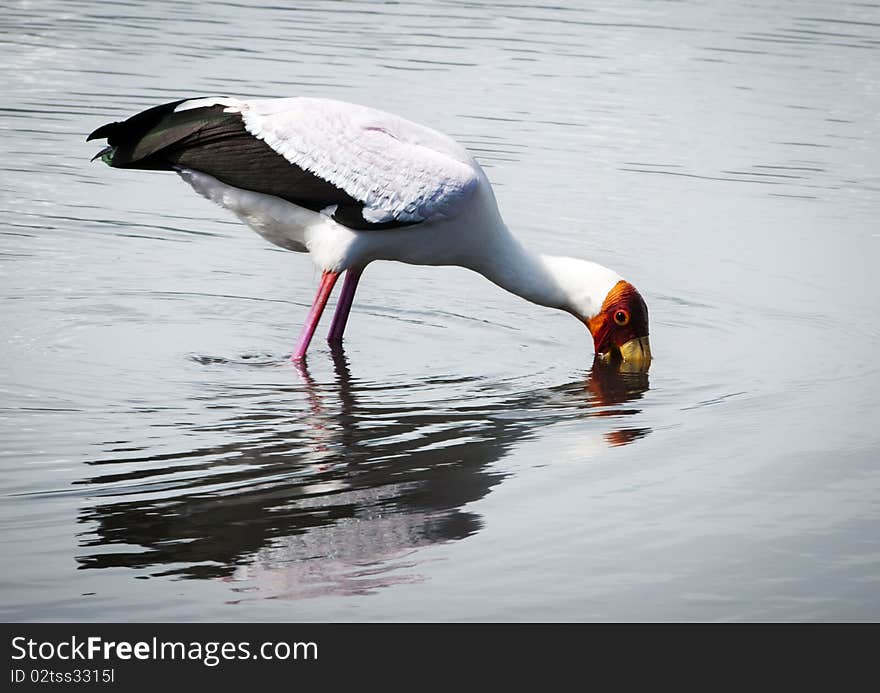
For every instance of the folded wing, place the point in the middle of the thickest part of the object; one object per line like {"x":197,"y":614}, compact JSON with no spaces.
{"x":364,"y":168}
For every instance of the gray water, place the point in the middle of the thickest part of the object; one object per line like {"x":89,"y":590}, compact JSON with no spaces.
{"x":461,"y":458}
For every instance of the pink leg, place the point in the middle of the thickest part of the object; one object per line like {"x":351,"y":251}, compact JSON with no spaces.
{"x":343,"y":306}
{"x":328,"y":279}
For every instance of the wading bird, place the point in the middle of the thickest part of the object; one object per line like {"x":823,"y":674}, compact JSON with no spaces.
{"x":351,"y":185}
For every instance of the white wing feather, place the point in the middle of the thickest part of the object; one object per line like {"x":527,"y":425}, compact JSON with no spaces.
{"x":400,"y":170}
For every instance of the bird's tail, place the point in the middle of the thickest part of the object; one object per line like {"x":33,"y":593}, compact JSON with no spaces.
{"x":105,"y":155}
{"x":145,"y":140}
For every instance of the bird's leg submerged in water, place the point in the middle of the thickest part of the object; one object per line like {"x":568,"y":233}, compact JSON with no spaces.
{"x":328,"y":279}
{"x":343,"y":306}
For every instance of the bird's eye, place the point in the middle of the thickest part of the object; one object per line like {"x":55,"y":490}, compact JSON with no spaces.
{"x":621,"y":317}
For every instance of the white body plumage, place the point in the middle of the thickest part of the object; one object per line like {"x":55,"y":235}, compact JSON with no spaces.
{"x":402,"y":171}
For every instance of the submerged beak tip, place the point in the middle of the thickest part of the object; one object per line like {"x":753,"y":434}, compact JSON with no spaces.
{"x":637,"y":351}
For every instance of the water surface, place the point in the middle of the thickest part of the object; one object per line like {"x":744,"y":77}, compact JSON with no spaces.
{"x":462,"y":458}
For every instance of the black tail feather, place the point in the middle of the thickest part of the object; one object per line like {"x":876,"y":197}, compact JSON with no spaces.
{"x":137,"y":125}
{"x":104,"y":152}
{"x":105,"y":131}
{"x":139,"y":141}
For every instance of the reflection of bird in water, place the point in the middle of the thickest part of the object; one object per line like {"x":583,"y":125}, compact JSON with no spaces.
{"x":330,"y":499}
{"x":609,"y":385}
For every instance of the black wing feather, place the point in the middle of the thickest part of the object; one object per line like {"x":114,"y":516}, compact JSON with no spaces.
{"x":211,"y":141}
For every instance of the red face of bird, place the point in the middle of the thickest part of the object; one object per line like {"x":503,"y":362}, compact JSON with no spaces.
{"x":620,"y":329}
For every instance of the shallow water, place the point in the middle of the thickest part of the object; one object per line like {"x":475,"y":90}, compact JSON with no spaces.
{"x":462,"y":458}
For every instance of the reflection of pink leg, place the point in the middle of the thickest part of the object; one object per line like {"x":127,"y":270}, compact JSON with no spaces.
{"x":328,"y":279}
{"x":343,"y":307}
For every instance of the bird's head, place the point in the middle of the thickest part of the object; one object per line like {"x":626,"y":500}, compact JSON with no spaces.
{"x":620,"y":328}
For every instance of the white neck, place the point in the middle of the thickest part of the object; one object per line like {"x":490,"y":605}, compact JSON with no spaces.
{"x":566,"y":283}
